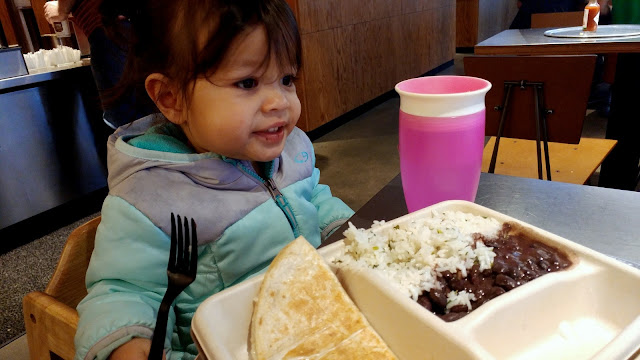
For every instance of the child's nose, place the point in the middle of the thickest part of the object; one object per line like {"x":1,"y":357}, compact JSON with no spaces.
{"x":275,"y":99}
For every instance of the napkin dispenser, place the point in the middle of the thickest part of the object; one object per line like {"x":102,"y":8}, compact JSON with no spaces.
{"x":12,"y":62}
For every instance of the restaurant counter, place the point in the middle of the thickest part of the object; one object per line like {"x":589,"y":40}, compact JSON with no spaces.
{"x":48,"y":155}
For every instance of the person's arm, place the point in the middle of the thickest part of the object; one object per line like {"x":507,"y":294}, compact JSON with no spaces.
{"x":58,"y":10}
{"x":136,"y":348}
{"x":332,"y":211}
{"x":126,"y":281}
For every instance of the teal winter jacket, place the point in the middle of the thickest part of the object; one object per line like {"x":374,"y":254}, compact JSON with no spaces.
{"x":243,"y":220}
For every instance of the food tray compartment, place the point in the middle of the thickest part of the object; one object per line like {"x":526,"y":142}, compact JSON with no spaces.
{"x":220,"y":326}
{"x":588,"y":311}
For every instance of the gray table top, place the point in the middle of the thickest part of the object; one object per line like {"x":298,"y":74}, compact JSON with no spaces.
{"x":534,"y":42}
{"x":605,"y":220}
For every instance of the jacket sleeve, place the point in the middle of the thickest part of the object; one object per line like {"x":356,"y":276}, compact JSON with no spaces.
{"x":332,"y":212}
{"x":126,"y":281}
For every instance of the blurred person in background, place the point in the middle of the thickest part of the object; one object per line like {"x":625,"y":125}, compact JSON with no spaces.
{"x":107,"y":34}
{"x":620,"y":168}
{"x":528,"y":7}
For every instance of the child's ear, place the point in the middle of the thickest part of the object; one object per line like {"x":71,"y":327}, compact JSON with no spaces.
{"x":166,"y":96}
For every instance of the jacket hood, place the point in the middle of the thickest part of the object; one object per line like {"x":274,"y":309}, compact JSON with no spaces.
{"x":159,"y":182}
{"x":124,"y":160}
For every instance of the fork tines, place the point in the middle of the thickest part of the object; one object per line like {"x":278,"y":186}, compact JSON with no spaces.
{"x":183,"y":253}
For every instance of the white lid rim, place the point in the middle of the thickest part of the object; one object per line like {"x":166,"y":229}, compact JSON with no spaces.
{"x":483,"y":90}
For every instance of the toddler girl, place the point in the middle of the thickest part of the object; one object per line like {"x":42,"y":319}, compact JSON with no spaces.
{"x":224,"y":150}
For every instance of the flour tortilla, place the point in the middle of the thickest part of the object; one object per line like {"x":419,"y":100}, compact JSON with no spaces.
{"x":302,"y":312}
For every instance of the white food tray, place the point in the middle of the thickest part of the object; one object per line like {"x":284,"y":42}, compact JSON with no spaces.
{"x":589,"y":311}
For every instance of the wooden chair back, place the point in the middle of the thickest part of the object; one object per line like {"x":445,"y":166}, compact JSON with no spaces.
{"x":557,"y":19}
{"x":50,"y":317}
{"x":574,"y":18}
{"x":67,"y":282}
{"x":567,"y":84}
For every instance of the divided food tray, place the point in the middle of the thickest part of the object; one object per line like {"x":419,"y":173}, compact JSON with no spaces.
{"x":589,"y":311}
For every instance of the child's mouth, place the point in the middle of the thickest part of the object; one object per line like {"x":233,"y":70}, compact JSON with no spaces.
{"x":272,"y":135}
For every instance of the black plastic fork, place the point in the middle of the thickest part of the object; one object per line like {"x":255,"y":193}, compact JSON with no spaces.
{"x":181,"y":271}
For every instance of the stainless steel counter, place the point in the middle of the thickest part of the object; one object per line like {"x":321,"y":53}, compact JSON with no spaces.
{"x":602,"y":219}
{"x":34,"y":79}
{"x":48,"y":153}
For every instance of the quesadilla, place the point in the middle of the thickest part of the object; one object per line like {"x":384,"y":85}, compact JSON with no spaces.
{"x":302,"y":312}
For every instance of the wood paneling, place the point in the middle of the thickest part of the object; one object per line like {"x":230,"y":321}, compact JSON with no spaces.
{"x":321,"y":15}
{"x":346,"y":66}
{"x":38,"y":11}
{"x":443,"y":47}
{"x":329,"y":74}
{"x":494,"y":16}
{"x":414,"y":46}
{"x":7,"y":26}
{"x":466,"y":23}
{"x":409,"y":6}
{"x":477,"y":20}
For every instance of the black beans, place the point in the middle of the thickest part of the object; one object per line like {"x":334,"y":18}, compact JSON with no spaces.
{"x":438,"y":297}
{"x":505,"y":282}
{"x":453,"y":316}
{"x":519,"y":259}
{"x":424,"y":301}
{"x":459,"y":309}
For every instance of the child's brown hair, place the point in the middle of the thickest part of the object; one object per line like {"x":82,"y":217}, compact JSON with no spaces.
{"x":187,"y":39}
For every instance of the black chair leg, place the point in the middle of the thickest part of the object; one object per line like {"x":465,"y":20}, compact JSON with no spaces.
{"x":503,"y":118}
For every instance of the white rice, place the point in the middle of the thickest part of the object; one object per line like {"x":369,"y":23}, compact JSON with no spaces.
{"x":412,"y":253}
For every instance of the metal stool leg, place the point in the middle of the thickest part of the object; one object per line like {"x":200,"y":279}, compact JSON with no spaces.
{"x":537,"y":108}
{"x":545,"y":133}
{"x":503,"y":117}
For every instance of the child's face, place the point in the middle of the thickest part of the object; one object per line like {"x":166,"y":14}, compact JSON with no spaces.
{"x":246,"y":109}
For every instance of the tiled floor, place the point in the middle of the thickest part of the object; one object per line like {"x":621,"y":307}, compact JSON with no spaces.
{"x":356,"y":160}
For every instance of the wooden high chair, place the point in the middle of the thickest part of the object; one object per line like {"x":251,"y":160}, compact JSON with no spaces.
{"x":537,"y":106}
{"x":50,"y":317}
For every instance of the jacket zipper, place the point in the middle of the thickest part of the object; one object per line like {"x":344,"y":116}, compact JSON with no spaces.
{"x":275,"y":193}
{"x":283,"y":204}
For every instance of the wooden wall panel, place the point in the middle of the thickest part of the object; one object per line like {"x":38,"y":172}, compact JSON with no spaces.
{"x":38,"y":11}
{"x":370,"y":10}
{"x":444,"y":48}
{"x":328,"y":14}
{"x":494,"y":16}
{"x":329,"y":74}
{"x":7,"y":26}
{"x":319,"y":15}
{"x":477,"y":20}
{"x":410,"y":6}
{"x":375,"y":58}
{"x":416,"y":45}
{"x":366,"y":49}
{"x":466,"y":23}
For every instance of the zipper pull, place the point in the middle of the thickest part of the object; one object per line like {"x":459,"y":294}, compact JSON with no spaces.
{"x":275,"y":192}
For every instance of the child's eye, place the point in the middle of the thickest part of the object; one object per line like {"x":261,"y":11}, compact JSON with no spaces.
{"x":288,"y":80}
{"x":247,"y":83}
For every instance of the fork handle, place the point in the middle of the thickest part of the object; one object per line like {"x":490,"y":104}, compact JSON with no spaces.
{"x":160,"y":331}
